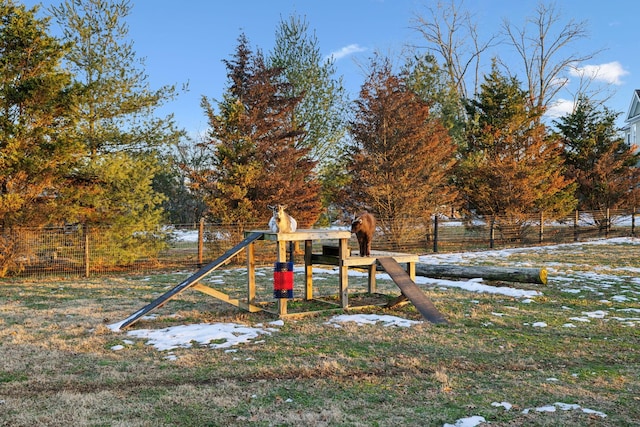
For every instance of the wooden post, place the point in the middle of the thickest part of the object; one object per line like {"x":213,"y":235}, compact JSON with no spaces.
{"x":633,"y":222}
{"x":282,"y":257}
{"x":576,"y":219}
{"x":607,"y":224}
{"x":308,"y":270}
{"x":492,"y":232}
{"x":435,"y":233}
{"x":251,"y":274}
{"x":201,"y":242}
{"x":343,"y":248}
{"x":541,"y":230}
{"x":411,"y":270}
{"x":87,"y":269}
{"x":373,"y":287}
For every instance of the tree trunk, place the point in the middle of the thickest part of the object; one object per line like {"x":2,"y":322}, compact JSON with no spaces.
{"x":506,"y":274}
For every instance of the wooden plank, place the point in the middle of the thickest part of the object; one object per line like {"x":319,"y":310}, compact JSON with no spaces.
{"x":355,"y":261}
{"x":191,"y":280}
{"x":304,"y":234}
{"x":224,"y":297}
{"x":324,"y":259}
{"x":411,"y":290}
{"x":506,"y":274}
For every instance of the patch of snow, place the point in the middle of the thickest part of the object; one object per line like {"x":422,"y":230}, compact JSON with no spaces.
{"x":371,"y":319}
{"x":564,"y":407}
{"x":182,"y":336}
{"x":506,"y":405}
{"x":467,"y":422}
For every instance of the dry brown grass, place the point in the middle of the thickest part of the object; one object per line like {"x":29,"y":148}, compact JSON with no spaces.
{"x":59,"y":368}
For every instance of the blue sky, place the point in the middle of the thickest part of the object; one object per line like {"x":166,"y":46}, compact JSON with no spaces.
{"x":186,"y":41}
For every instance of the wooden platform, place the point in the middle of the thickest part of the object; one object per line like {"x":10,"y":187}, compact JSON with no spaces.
{"x":343,"y":259}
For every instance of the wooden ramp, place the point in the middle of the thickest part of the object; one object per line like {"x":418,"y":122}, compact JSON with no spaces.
{"x":192,"y":280}
{"x":411,"y":290}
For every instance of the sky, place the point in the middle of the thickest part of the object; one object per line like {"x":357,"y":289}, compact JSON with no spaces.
{"x":185,"y":42}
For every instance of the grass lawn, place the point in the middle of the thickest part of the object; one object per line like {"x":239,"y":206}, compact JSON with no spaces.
{"x":568,"y":356}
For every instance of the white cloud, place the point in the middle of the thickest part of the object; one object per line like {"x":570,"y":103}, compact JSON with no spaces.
{"x":611,"y":72}
{"x":346,"y":51}
{"x":560,"y":108}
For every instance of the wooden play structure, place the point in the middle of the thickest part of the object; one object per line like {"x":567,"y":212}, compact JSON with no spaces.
{"x":338,"y":255}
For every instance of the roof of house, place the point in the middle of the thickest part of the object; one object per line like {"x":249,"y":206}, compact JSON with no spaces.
{"x":634,"y":108}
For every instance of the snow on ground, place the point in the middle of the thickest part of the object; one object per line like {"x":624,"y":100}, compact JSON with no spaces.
{"x":477,"y":420}
{"x":228,"y":335}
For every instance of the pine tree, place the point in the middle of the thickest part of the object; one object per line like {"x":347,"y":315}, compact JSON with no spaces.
{"x":37,"y":107}
{"x":427,"y":79}
{"x":510,"y":166}
{"x":257,"y":157}
{"x":603,"y":165}
{"x":400,"y":158}
{"x":322,"y":110}
{"x":322,"y":106}
{"x":112,"y":186}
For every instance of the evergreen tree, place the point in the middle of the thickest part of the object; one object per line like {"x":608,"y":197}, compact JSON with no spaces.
{"x":36,"y":114}
{"x":257,"y":157}
{"x":322,"y":110}
{"x":117,"y":110}
{"x":400,"y":158}
{"x":112,"y":186}
{"x":603,"y":165}
{"x":181,"y":204}
{"x":322,"y":106}
{"x":427,"y":79}
{"x":510,"y":167}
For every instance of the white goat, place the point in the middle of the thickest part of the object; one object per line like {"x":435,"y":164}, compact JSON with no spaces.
{"x":282,"y":222}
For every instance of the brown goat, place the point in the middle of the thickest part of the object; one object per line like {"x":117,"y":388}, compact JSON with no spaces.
{"x":364,"y":226}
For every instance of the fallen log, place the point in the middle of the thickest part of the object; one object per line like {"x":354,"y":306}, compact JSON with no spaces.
{"x":505,"y":274}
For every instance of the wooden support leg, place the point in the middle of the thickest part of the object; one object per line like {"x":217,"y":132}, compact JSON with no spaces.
{"x":372,"y":278}
{"x":308,"y":270}
{"x":411,"y":270}
{"x":251,"y":274}
{"x":282,"y":257}
{"x":343,"y":247}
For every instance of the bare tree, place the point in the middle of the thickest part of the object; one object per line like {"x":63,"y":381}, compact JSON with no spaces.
{"x":452,"y":34}
{"x":543,"y":43}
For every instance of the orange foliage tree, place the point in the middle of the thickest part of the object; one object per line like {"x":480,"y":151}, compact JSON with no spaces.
{"x":256,"y":155}
{"x":604,"y":166}
{"x":400,"y":157}
{"x":510,"y":167}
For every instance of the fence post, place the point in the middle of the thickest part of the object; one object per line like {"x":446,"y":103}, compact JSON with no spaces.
{"x":576,"y":219}
{"x":492,"y":232}
{"x":633,"y":222}
{"x":541,"y":231}
{"x":607,"y":223}
{"x":201,"y":243}
{"x":87,"y":269}
{"x":435,"y":233}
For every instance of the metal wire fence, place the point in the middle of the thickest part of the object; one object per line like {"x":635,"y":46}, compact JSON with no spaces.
{"x":82,"y":251}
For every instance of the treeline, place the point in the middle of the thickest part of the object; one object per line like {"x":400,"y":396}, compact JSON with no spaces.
{"x":81,"y":143}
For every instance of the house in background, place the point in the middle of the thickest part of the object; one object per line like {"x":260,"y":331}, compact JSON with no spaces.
{"x":632,"y":121}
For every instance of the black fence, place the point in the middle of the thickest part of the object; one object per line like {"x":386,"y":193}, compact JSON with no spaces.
{"x":83,"y":251}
